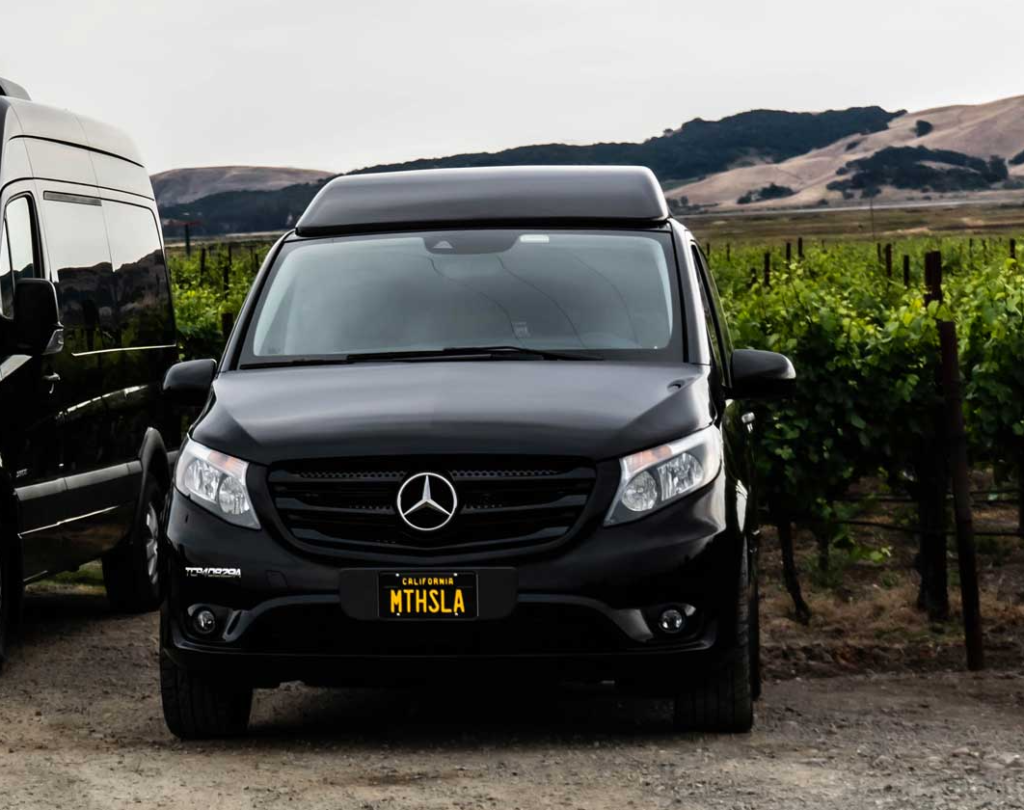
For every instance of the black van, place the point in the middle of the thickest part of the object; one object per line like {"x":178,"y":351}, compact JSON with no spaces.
{"x":471,"y":425}
{"x":86,"y":335}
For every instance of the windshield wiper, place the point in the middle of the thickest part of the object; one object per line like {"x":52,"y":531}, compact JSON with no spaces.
{"x":451,"y":352}
{"x":335,"y":360}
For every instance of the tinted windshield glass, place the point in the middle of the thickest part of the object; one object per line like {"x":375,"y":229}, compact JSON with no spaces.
{"x":613,"y":292}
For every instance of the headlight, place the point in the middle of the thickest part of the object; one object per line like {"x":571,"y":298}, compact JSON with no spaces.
{"x":216,"y":482}
{"x":656,"y":477}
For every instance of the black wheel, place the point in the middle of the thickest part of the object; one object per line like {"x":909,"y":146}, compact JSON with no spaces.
{"x":722,"y":700}
{"x":755,"y":642}
{"x":131,"y":571}
{"x":10,"y":589}
{"x":197,"y":707}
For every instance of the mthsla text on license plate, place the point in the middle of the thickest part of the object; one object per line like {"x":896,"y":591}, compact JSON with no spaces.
{"x":427,"y":595}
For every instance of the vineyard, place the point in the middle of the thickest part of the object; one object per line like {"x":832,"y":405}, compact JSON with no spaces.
{"x":866,"y":427}
{"x":862,"y":327}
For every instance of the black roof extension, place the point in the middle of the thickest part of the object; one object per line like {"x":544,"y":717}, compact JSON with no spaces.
{"x":571,"y":195}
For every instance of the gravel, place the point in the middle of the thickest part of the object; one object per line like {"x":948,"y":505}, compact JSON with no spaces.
{"x":81,"y":726}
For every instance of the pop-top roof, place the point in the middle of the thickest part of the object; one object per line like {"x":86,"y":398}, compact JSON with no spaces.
{"x":569,"y":195}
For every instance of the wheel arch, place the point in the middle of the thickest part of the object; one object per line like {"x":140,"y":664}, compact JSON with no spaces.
{"x":154,"y":460}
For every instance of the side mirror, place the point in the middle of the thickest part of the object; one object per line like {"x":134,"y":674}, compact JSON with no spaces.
{"x":37,"y":328}
{"x":189,"y":383}
{"x":761,"y":375}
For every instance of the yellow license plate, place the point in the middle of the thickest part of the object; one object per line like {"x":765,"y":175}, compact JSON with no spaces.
{"x":448,"y":595}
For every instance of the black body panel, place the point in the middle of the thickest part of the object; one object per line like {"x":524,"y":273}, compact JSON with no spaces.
{"x":593,"y":410}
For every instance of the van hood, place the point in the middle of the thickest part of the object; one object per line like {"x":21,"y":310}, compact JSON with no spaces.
{"x":588,"y":409}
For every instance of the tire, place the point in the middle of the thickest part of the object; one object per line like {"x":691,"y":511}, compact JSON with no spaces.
{"x":10,"y":590}
{"x":6,"y":603}
{"x":197,"y":707}
{"x":755,"y":643}
{"x":722,"y":700}
{"x":131,"y":571}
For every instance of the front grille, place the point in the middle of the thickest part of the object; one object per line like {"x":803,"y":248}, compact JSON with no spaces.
{"x":503,"y":502}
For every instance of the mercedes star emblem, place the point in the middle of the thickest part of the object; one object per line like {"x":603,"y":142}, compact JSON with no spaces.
{"x":427,"y":501}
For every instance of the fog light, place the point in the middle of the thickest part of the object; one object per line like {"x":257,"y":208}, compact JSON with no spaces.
{"x":671,"y":621}
{"x":204,"y":622}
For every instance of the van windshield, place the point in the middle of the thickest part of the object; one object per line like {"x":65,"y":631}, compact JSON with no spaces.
{"x":607,"y":294}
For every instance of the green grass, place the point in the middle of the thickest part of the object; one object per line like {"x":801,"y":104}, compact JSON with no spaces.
{"x":89,"y":575}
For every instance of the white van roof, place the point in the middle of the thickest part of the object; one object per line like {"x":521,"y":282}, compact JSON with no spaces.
{"x":64,"y":126}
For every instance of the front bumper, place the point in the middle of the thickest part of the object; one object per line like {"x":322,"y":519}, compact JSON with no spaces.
{"x":586,"y":611}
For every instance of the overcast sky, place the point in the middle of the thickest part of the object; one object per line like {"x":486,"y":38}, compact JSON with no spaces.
{"x":337,"y":84}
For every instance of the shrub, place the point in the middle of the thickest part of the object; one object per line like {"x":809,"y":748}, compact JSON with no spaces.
{"x":769,"y":192}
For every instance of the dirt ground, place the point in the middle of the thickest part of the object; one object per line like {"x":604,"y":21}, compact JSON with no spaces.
{"x":81,"y":726}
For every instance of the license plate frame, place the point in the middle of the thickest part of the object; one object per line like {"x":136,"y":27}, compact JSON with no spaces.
{"x":416,"y":596}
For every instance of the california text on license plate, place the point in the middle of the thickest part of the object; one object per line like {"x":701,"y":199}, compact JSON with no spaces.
{"x":427,"y":595}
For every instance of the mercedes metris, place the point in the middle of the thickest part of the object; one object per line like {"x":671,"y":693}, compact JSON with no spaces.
{"x":471,"y":424}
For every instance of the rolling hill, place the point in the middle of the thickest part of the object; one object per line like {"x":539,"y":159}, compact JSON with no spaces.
{"x":978,"y":131}
{"x":757,"y":159}
{"x":179,"y":186}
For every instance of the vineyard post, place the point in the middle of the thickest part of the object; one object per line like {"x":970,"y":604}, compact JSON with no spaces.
{"x":227,"y":319}
{"x":956,"y":437}
{"x":188,"y":242}
{"x":933,"y":276}
{"x":932,"y":483}
{"x":728,"y":251}
{"x":707,"y":249}
{"x":1013,"y":248}
{"x":227,"y":270}
{"x":878,"y":250}
{"x":1020,"y":487}
{"x":767,"y":268}
{"x":800,"y":247}
{"x":906,"y":271}
{"x":888,"y":260}
{"x":789,"y":253}
{"x":784,"y":526}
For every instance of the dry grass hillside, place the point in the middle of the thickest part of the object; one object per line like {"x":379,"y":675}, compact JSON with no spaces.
{"x":185,"y":185}
{"x":981,"y":130}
